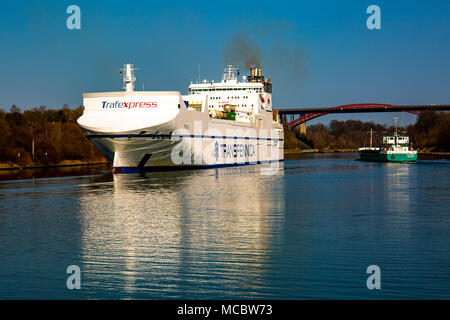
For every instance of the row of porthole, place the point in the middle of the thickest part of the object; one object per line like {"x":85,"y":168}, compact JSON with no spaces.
{"x":220,"y":106}
{"x":215,"y":98}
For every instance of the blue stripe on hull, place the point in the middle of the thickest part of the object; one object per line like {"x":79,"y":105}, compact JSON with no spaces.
{"x":119,"y":170}
{"x":167,"y":136}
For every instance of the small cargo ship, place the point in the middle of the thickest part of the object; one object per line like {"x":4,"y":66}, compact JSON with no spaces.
{"x":392,"y":149}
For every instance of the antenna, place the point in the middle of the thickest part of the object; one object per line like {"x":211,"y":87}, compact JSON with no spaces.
{"x":199,"y":73}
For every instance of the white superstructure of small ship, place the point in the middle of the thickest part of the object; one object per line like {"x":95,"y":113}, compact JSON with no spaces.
{"x":217,"y":124}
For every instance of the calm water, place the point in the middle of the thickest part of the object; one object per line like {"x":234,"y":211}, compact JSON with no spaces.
{"x":309,"y":231}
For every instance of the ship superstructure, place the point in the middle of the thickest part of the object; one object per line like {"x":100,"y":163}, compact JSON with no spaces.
{"x":218,"y":123}
{"x":248,"y":99}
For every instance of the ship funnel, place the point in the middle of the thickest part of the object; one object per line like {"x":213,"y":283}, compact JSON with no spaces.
{"x":255,"y":74}
{"x":128,"y":77}
{"x":253,"y":71}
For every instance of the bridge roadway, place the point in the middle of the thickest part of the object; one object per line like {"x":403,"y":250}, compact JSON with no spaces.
{"x":297,"y":116}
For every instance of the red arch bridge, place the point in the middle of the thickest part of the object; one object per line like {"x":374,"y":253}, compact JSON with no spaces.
{"x":297,"y":116}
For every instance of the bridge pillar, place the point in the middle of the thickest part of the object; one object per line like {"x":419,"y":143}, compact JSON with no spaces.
{"x":302,"y":128}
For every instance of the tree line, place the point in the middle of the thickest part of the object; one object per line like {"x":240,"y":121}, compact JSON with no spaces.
{"x":430,"y":133}
{"x":55,"y":135}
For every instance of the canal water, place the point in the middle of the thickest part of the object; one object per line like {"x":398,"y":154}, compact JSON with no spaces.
{"x":306,"y":231}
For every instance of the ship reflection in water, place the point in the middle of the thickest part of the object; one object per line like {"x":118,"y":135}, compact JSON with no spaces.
{"x":177,"y":234}
{"x":397,"y":180}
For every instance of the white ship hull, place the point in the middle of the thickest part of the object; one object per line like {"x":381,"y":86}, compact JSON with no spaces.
{"x":191,"y":139}
{"x":224,"y":124}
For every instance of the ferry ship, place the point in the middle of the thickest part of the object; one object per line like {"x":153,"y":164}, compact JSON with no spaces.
{"x":224,"y":123}
{"x":392,"y":149}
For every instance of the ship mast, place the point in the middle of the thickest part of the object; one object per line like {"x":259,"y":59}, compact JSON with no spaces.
{"x":396,"y":131}
{"x":230,"y":74}
{"x":128,"y":77}
{"x":396,"y":125}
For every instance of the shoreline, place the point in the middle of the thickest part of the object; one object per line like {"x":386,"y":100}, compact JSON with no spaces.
{"x":298,"y":151}
{"x":14,"y":167}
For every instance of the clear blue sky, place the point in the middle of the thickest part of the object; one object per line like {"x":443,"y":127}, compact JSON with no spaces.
{"x":336,"y":59}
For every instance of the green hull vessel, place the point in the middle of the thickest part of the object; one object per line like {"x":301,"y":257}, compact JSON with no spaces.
{"x":392,"y":149}
{"x":383,"y":157}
